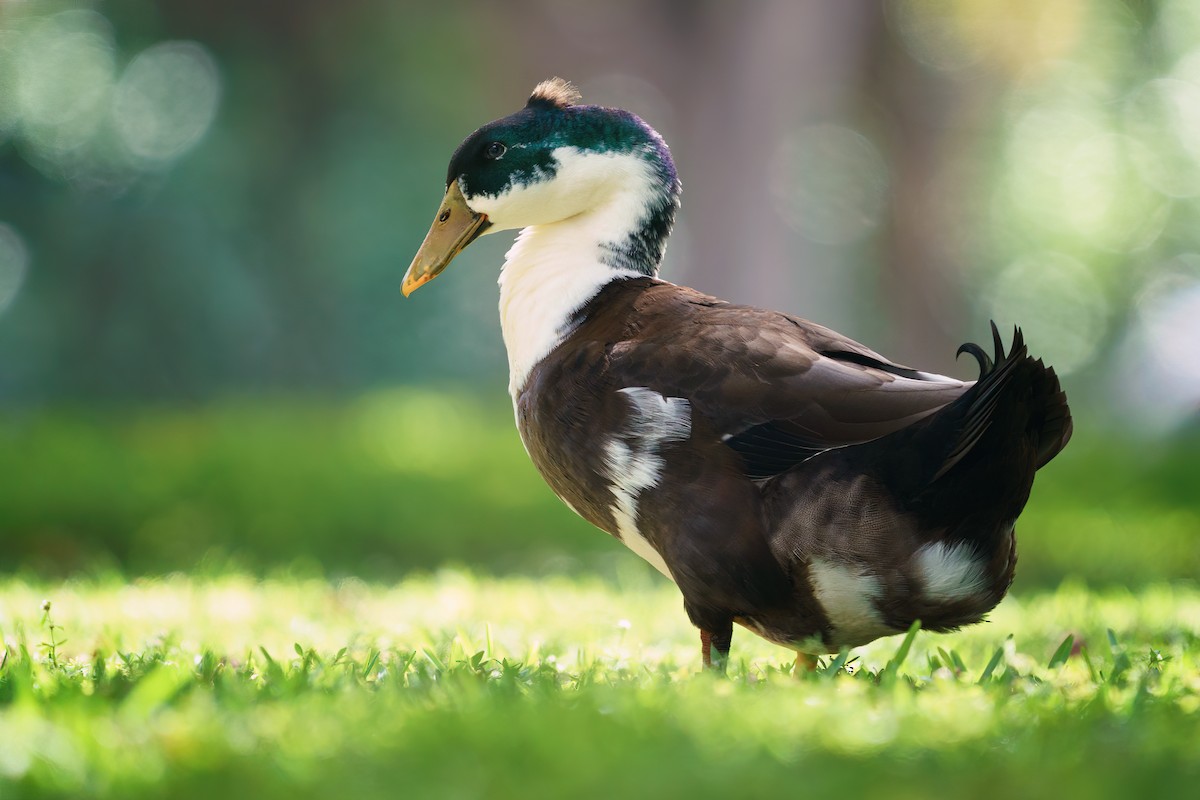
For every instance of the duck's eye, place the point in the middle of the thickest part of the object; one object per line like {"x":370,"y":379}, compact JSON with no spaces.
{"x":494,"y":150}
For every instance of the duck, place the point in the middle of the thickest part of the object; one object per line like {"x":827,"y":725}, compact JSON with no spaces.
{"x":786,"y":478}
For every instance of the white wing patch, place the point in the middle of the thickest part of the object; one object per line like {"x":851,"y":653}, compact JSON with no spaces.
{"x":848,"y":596}
{"x":950,"y":572}
{"x":635,"y":464}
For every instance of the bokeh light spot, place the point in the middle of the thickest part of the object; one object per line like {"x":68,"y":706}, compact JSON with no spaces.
{"x":1159,"y":369}
{"x":1059,"y":304}
{"x":1171,"y":320}
{"x":831,"y":185}
{"x":1039,"y":146}
{"x":1072,"y":176}
{"x":166,"y":100}
{"x":1091,"y":184}
{"x":1163,"y":117}
{"x":8,"y":85}
{"x":64,"y":68}
{"x":953,"y":35}
{"x":931,"y":33}
{"x":14,"y":261}
{"x":1179,"y":24}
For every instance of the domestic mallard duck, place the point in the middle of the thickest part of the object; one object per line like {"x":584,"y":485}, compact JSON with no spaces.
{"x":785,"y":477}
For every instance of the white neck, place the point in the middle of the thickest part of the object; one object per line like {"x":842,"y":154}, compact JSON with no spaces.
{"x":549,"y":273}
{"x":553,"y":269}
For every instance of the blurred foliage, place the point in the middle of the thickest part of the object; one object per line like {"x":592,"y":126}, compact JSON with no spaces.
{"x":199,"y":198}
{"x":394,"y":481}
{"x":265,"y":253}
{"x":406,"y":479}
{"x":457,"y":686}
{"x":206,"y":207}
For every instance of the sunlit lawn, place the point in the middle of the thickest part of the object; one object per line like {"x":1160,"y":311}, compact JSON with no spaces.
{"x":456,"y":685}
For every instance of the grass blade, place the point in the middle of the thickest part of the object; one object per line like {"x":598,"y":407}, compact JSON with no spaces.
{"x":893,"y":668}
{"x":1062,"y":653}
{"x":995,"y":662}
{"x":370,"y":663}
{"x":1121,"y":660}
{"x":438,"y":664}
{"x":1087,"y":659}
{"x":837,"y":664}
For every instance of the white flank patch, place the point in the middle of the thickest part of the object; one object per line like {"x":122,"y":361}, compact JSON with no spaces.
{"x":848,"y":596}
{"x":950,"y":572}
{"x":634,"y":463}
{"x":557,"y":263}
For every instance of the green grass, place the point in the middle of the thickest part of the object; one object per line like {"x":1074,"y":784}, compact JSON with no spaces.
{"x":413,"y":479}
{"x":454,"y":685}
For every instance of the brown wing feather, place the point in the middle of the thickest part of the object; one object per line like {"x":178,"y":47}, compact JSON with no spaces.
{"x":777,"y":376}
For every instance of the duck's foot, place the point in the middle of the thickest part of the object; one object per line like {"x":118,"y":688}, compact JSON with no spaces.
{"x":805,"y":662}
{"x":718,"y":641}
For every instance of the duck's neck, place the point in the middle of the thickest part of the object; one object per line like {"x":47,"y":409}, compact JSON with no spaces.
{"x":553,"y":270}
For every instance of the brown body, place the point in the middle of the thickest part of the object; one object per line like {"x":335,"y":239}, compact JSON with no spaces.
{"x":804,"y":449}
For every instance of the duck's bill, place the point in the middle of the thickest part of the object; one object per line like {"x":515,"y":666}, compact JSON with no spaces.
{"x":454,"y":227}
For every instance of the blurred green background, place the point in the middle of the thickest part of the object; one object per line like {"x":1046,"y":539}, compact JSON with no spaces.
{"x":206,"y":209}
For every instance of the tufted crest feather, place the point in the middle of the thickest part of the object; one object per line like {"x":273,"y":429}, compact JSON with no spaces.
{"x":554,"y":93}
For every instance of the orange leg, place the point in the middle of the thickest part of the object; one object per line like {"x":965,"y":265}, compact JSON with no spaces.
{"x":805,"y":662}
{"x":721,"y":641}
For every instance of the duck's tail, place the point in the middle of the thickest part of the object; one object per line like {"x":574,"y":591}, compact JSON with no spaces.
{"x":983,"y":449}
{"x":1026,"y":381}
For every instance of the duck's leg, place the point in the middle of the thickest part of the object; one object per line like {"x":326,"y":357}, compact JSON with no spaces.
{"x":721,"y":640}
{"x":805,"y":662}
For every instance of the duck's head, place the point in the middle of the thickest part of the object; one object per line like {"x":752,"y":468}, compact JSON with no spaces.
{"x":549,"y":162}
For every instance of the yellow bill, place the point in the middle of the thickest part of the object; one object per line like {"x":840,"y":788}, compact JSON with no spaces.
{"x":454,"y":227}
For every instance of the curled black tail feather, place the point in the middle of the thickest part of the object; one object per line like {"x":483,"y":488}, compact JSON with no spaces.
{"x":986,"y":362}
{"x":995,"y":374}
{"x":1050,"y":421}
